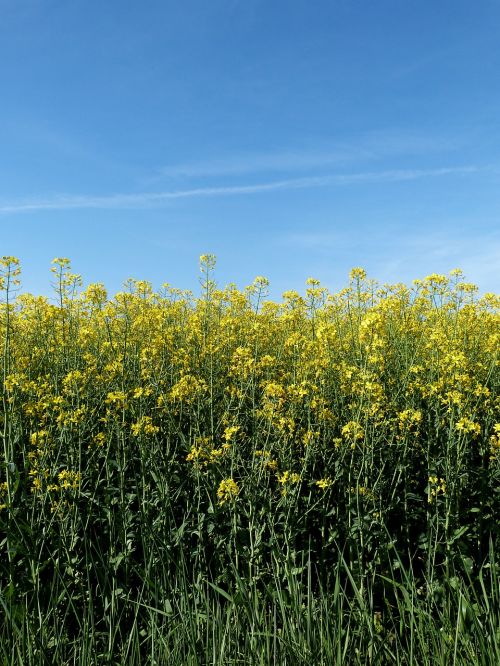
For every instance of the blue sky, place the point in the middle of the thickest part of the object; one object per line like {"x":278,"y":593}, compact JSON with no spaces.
{"x":290,"y":138}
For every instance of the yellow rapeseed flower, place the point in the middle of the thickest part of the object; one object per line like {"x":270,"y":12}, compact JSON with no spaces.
{"x":227,"y":491}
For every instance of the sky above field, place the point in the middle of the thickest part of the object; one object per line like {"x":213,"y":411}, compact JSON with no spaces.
{"x":290,"y":138}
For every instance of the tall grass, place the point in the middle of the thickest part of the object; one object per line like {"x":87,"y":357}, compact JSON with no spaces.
{"x":220,"y":479}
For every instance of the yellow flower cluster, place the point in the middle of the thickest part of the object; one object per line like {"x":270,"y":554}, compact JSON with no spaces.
{"x":268,"y":462}
{"x":336,"y":386}
{"x":187,"y":389}
{"x":468,"y":426}
{"x":287,"y":479}
{"x":437,"y":486}
{"x":324,"y":483}
{"x":4,"y":490}
{"x":227,"y":491}
{"x":203,"y":452}
{"x":353,"y":433}
{"x":144,"y":426}
{"x":67,"y":480}
{"x":495,"y":442}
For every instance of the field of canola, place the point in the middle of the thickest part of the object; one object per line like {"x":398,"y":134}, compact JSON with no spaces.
{"x":216,"y":478}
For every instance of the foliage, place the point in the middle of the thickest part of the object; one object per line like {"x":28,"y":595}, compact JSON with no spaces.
{"x":225,"y":479}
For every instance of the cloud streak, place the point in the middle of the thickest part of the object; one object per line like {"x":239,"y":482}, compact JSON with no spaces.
{"x":157,"y":199}
{"x":374,"y":145}
{"x":393,"y":257}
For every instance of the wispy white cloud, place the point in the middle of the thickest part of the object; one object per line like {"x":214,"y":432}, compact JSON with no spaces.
{"x":371,"y":146}
{"x":155,"y":199}
{"x":476,"y":253}
{"x":393,"y":256}
{"x":280,"y":161}
{"x":478,"y":258}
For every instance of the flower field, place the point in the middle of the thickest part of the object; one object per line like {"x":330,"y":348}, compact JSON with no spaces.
{"x":217,"y":478}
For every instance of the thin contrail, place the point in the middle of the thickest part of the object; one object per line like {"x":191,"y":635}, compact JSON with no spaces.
{"x":145,"y":199}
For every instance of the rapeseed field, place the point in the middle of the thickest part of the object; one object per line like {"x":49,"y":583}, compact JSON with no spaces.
{"x":219,"y":478}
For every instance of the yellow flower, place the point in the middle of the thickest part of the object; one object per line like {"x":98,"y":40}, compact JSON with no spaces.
{"x":289,"y":477}
{"x":187,"y":389}
{"x":227,"y":491}
{"x":309,"y":437}
{"x":99,"y":439}
{"x":466,"y":425}
{"x":117,"y":399}
{"x":230,"y":432}
{"x":69,"y":480}
{"x":363,"y":491}
{"x":495,"y":441}
{"x":4,"y":491}
{"x":195,"y":454}
{"x":36,"y":483}
{"x":144,"y":426}
{"x":357,"y":274}
{"x":437,"y":486}
{"x":324,"y":483}
{"x":353,"y":432}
